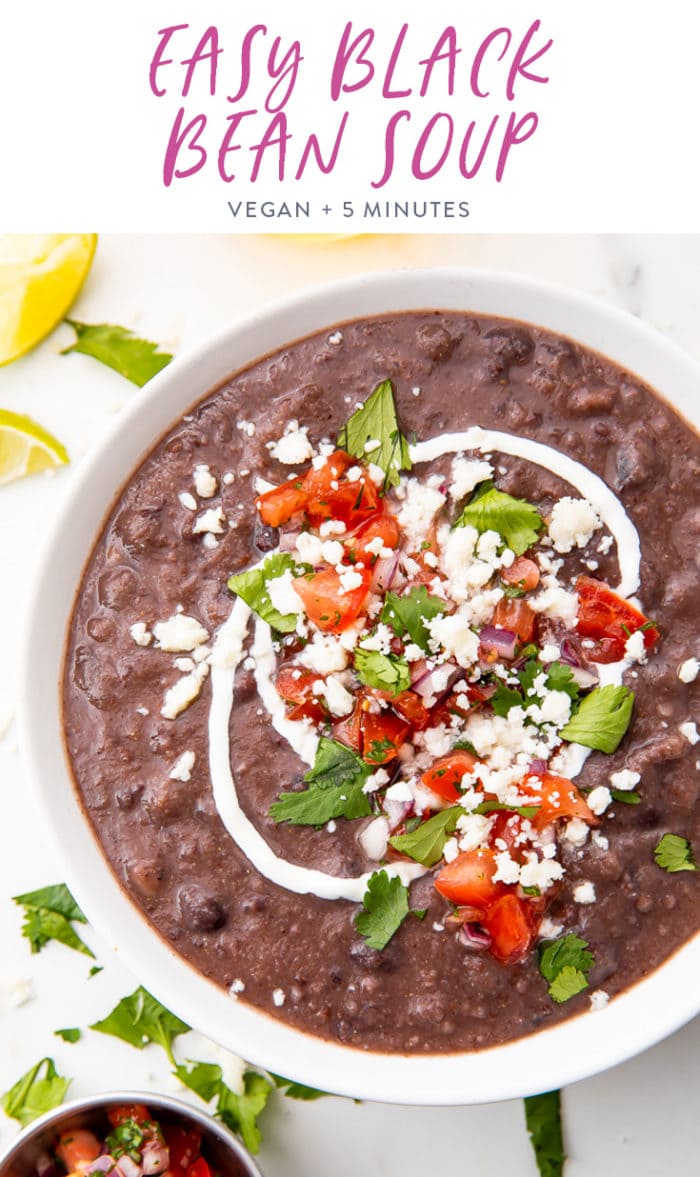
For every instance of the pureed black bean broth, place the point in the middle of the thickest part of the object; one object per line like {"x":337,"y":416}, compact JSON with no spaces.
{"x":144,"y":779}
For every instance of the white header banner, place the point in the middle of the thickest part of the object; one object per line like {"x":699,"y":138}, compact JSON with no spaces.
{"x":512,"y":116}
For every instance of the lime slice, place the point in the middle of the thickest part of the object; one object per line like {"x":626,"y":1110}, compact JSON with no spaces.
{"x":40,"y":276}
{"x":26,"y":448}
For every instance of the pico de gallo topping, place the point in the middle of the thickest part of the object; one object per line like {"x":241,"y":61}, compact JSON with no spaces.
{"x":427,"y":634}
{"x":137,"y":1145}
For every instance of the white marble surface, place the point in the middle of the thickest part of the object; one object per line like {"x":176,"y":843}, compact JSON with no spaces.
{"x":177,"y":290}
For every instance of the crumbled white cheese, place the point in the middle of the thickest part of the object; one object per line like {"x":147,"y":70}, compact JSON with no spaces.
{"x":572,"y":524}
{"x":179,"y":697}
{"x":283,"y":596}
{"x":184,"y":664}
{"x":278,"y":997}
{"x":228,"y":478}
{"x":309,"y":547}
{"x":418,"y":510}
{"x":179,"y":633}
{"x":549,"y":930}
{"x":375,"y":781}
{"x":600,"y":840}
{"x":413,"y":653}
{"x":549,"y":653}
{"x":690,"y":731}
{"x":599,"y":799}
{"x":324,"y":653}
{"x":466,"y":475}
{"x":688,"y":670}
{"x":554,"y":601}
{"x":332,"y":527}
{"x":584,"y":893}
{"x":450,"y":850}
{"x":246,"y":427}
{"x":455,"y":636}
{"x":375,"y":547}
{"x":400,"y":791}
{"x":635,"y":649}
{"x":140,"y":634}
{"x":336,"y":338}
{"x":438,"y":740}
{"x":204,"y":482}
{"x":332,"y":551}
{"x":624,"y":780}
{"x":576,"y":831}
{"x":237,"y":986}
{"x":540,"y":874}
{"x":374,"y":838}
{"x":507,"y":869}
{"x":187,"y":500}
{"x":182,"y":768}
{"x":142,"y":711}
{"x":350,"y":580}
{"x":211,"y":521}
{"x":294,"y":446}
{"x":380,"y":640}
{"x":340,"y":701}
{"x":605,"y":545}
{"x":555,"y":708}
{"x":599,"y":999}
{"x":474,"y":829}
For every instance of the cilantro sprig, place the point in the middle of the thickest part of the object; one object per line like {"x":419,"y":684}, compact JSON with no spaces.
{"x":335,"y":789}
{"x":252,"y":587}
{"x":411,"y":613}
{"x":385,"y":672}
{"x":602,"y":719}
{"x":49,"y":914}
{"x":543,"y":1120}
{"x":137,"y":359}
{"x":558,"y":678}
{"x":565,"y":963}
{"x":384,"y":908}
{"x":376,"y":421}
{"x":516,"y":520}
{"x":239,"y":1111}
{"x":674,"y":853}
{"x":426,"y":843}
{"x":140,"y":1019}
{"x":38,"y":1091}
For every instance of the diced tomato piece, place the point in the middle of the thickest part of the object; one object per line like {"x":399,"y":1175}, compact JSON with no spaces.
{"x":183,"y":1145}
{"x":295,"y":684}
{"x":349,"y":731}
{"x":556,"y":797}
{"x":380,"y":526}
{"x":331,"y":496}
{"x":468,"y":879}
{"x":604,"y":615}
{"x":383,"y":733}
{"x":78,"y":1148}
{"x":517,"y":616}
{"x":411,"y":707}
{"x":277,"y":506}
{"x":523,"y":573}
{"x":327,"y":604}
{"x":135,"y":1111}
{"x":510,"y":927}
{"x":200,"y":1168}
{"x":444,"y":776}
{"x":317,"y":482}
{"x":507,"y":827}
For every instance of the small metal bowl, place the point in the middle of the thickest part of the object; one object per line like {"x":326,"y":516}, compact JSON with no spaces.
{"x":224,"y":1152}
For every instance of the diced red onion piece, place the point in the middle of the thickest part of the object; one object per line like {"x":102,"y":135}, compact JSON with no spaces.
{"x":569,"y":652}
{"x":45,"y":1165}
{"x":473,"y":937}
{"x":426,"y":687}
{"x":106,"y":1163}
{"x":538,"y":767}
{"x":384,"y":572}
{"x":584,"y":677}
{"x":288,"y":540}
{"x":419,"y":671}
{"x":503,"y":641}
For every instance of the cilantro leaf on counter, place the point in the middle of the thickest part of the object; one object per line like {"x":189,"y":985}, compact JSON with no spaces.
{"x":408,"y":614}
{"x":136,"y":359}
{"x":49,"y":914}
{"x":239,"y":1111}
{"x":426,"y":843}
{"x":543,"y":1120}
{"x":140,"y":1019}
{"x":297,"y":1090}
{"x":335,"y":789}
{"x":674,"y":853}
{"x":376,"y":421}
{"x":34,"y":1093}
{"x":385,"y":672}
{"x":251,"y":586}
{"x":70,"y":1035}
{"x":565,"y":963}
{"x":384,"y":908}
{"x":516,"y":520}
{"x":602,"y":719}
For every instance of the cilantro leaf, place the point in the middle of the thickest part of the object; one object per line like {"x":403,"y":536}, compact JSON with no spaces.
{"x":34,"y":1093}
{"x":335,"y":789}
{"x":376,"y":421}
{"x":385,"y":907}
{"x":565,"y":963}
{"x":504,"y":698}
{"x":528,"y":811}
{"x":560,"y":678}
{"x":425,"y":844}
{"x":239,"y":1111}
{"x":515,"y":519}
{"x":543,"y":1119}
{"x":297,"y":1090}
{"x":386,"y":672}
{"x":48,"y":915}
{"x":602,"y":719}
{"x":625,"y":796}
{"x":409,"y":614}
{"x":70,"y":1035}
{"x":251,"y":586}
{"x":674,"y":853}
{"x":137,"y":359}
{"x":140,"y":1019}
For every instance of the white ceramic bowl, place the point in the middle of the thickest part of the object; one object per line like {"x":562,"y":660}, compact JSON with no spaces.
{"x":579,"y":1047}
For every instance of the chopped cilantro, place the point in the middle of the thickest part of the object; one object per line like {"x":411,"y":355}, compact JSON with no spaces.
{"x":560,"y":678}
{"x":376,"y":753}
{"x":70,"y":1035}
{"x":137,"y":359}
{"x":34,"y":1093}
{"x":409,"y":614}
{"x":49,"y":914}
{"x":426,"y":843}
{"x":625,"y":796}
{"x":504,"y":698}
{"x":335,"y":789}
{"x":565,"y":963}
{"x":528,"y":811}
{"x":517,"y":521}
{"x":385,"y":907}
{"x":140,"y":1019}
{"x":239,"y":1111}
{"x":125,"y":1140}
{"x":602,"y":719}
{"x":674,"y":853}
{"x":376,"y":420}
{"x":385,"y":672}
{"x":543,"y":1119}
{"x":251,"y":586}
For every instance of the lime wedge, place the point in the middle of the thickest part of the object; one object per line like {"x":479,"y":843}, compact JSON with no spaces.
{"x":40,"y":276}
{"x":26,"y":448}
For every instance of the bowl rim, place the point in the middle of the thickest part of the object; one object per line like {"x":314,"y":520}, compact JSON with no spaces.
{"x":575,"y":1049}
{"x":154,"y":1099}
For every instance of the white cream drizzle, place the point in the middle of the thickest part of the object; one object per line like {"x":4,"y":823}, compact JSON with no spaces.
{"x":228,"y":652}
